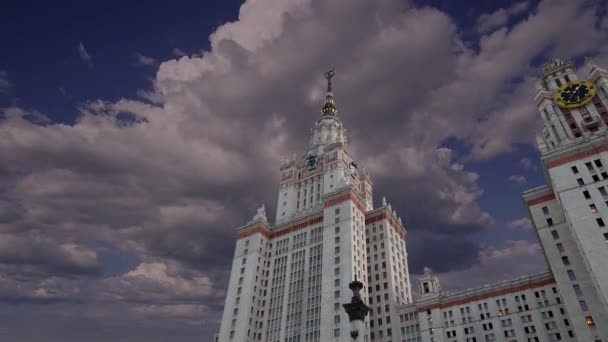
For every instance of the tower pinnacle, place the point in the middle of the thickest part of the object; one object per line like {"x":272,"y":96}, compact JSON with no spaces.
{"x":329,"y":106}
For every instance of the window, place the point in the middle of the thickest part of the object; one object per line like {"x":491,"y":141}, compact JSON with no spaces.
{"x":598,"y":163}
{"x":586,"y":194}
{"x":566,"y":78}
{"x":336,"y":332}
{"x":546,"y":211}
{"x":565,"y":260}
{"x":596,"y":178}
{"x":571,"y":275}
{"x":600,"y":222}
{"x":593,"y":208}
{"x":589,"y":166}
{"x":580,"y":181}
{"x":558,"y":82}
{"x":583,"y":305}
{"x":606,"y":237}
{"x":577,"y":290}
{"x":560,"y":247}
{"x":549,"y":222}
{"x":574,"y":170}
{"x":602,"y":191}
{"x":555,"y":234}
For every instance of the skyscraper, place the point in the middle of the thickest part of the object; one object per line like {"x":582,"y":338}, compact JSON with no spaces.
{"x":289,"y":279}
{"x":570,"y":213}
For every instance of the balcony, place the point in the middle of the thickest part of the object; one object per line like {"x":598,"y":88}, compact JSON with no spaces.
{"x":591,"y":123}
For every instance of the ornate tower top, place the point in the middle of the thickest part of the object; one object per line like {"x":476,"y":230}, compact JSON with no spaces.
{"x":429,"y":284}
{"x":329,"y":107}
{"x":556,"y":64}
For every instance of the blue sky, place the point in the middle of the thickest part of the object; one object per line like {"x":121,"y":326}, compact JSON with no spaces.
{"x":136,"y":138}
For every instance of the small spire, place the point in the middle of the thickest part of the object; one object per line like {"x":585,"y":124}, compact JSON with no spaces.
{"x":329,"y":107}
{"x":328,"y":75}
{"x":590,"y":63}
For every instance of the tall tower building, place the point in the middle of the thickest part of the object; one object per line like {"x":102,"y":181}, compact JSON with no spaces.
{"x":570,"y":213}
{"x":289,"y":279}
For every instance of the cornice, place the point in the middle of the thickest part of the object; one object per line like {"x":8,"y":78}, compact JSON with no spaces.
{"x":559,"y":156}
{"x":536,"y":193}
{"x":487,"y":291}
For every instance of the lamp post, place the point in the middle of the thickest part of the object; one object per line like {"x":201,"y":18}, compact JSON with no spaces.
{"x":356,"y":310}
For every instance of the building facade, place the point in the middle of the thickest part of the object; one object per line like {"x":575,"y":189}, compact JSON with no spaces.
{"x":289,"y":279}
{"x":570,"y":212}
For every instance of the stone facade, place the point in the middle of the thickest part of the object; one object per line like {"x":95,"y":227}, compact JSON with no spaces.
{"x":289,"y":280}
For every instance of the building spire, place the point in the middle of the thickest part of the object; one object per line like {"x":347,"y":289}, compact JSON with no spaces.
{"x":329,"y":106}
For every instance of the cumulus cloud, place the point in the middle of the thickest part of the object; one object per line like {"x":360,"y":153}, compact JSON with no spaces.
{"x":518,"y":179}
{"x":145,"y":60}
{"x":168,"y":179}
{"x":521,"y":223}
{"x":491,"y":21}
{"x":177,"y":52}
{"x":84,"y":55}
{"x":528,"y":164}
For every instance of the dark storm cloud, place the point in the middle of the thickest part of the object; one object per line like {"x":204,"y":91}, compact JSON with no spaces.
{"x":193,"y":163}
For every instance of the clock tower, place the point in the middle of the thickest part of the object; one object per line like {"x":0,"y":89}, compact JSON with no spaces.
{"x":571,"y":109}
{"x":325,"y":167}
{"x":290,"y":278}
{"x":570,"y":212}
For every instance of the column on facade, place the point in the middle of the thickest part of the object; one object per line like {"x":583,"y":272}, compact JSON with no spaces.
{"x":559,"y":122}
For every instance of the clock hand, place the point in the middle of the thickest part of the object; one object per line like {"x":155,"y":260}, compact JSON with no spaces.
{"x":574,"y":92}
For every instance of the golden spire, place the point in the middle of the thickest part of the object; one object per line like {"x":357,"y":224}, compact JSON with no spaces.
{"x":329,"y":106}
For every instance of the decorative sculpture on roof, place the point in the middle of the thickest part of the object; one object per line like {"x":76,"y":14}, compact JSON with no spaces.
{"x":261,"y":214}
{"x":383,"y":201}
{"x":428,"y":271}
{"x":554,"y":64}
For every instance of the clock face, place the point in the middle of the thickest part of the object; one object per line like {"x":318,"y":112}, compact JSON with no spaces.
{"x":574,"y":94}
{"x":353,"y":169}
{"x":311,"y":162}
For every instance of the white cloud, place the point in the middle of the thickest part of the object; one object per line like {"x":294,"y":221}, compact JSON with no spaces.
{"x":528,"y":164}
{"x":489,"y":22}
{"x":85,"y":57}
{"x":519,"y":179}
{"x":168,"y":181}
{"x":177,"y":52}
{"x":522,"y":223}
{"x":145,"y":60}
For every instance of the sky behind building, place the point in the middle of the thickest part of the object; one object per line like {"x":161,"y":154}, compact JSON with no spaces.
{"x":134,"y":139}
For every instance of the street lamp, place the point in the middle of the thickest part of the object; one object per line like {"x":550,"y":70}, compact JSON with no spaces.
{"x":356,"y":309}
